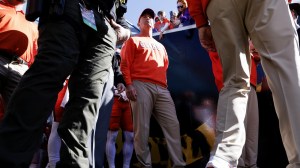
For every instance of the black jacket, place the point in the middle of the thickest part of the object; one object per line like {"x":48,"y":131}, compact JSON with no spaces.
{"x":118,"y":77}
{"x":115,"y":9}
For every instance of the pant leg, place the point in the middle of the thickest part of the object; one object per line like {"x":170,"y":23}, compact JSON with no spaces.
{"x":277,"y":43}
{"x":141,"y":112}
{"x":250,"y":150}
{"x":165,"y":114}
{"x":232,"y":44}
{"x":86,"y":85}
{"x":35,"y":96}
{"x":103,"y":122}
{"x":15,"y":72}
{"x":126,"y":117}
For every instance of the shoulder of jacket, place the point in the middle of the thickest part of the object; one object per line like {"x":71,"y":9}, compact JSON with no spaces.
{"x":123,"y":1}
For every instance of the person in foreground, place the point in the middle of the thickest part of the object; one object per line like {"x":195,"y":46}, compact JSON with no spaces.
{"x":231,"y":23}
{"x":144,"y":66}
{"x":76,"y":39}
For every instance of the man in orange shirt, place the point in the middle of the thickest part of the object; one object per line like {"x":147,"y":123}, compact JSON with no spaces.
{"x":18,"y":45}
{"x":270,"y":26}
{"x":144,"y":66}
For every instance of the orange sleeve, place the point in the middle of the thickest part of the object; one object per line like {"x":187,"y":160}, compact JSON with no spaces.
{"x":217,"y":69}
{"x":35,"y":45}
{"x":127,"y":56}
{"x":197,"y":9}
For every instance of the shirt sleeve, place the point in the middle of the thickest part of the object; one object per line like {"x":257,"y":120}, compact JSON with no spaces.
{"x":127,"y":57}
{"x":35,"y":43}
{"x":197,"y":9}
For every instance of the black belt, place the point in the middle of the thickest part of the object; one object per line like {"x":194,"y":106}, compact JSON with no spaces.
{"x":20,"y":61}
{"x":13,"y":58}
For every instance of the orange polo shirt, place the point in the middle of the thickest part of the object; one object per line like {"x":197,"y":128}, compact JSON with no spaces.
{"x":144,"y":59}
{"x":17,"y":35}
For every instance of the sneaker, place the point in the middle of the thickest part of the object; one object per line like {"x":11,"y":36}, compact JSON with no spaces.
{"x":215,"y":162}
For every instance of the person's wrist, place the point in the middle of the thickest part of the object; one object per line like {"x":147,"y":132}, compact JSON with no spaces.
{"x":204,"y":25}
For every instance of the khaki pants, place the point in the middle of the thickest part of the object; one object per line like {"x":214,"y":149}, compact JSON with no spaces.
{"x":155,"y":100}
{"x":249,"y":154}
{"x":269,"y":24}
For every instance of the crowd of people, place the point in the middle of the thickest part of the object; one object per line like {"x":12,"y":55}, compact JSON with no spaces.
{"x":72,"y":71}
{"x":177,"y":19}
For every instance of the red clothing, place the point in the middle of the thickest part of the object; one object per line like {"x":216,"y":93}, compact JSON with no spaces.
{"x":197,"y":9}
{"x":58,"y":109}
{"x":217,"y":69}
{"x":17,"y":35}
{"x":121,"y":116}
{"x":144,"y":59}
{"x":160,"y":24}
{"x":218,"y":72}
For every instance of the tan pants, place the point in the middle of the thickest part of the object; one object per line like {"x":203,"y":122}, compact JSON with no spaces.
{"x":249,"y":154}
{"x":155,"y":100}
{"x":269,"y":24}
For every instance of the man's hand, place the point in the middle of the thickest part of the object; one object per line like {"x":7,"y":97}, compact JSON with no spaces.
{"x":121,"y":87}
{"x":122,"y":33}
{"x":160,"y":35}
{"x":131,"y":92}
{"x":206,"y":39}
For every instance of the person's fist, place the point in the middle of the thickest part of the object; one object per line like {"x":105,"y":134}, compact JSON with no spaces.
{"x":122,"y":33}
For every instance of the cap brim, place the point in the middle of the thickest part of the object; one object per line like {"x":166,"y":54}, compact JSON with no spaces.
{"x":148,"y":11}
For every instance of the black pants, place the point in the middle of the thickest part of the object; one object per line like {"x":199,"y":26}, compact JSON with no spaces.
{"x":60,"y":54}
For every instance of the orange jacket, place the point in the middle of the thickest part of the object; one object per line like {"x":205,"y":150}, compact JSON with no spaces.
{"x":17,"y":35}
{"x":197,"y":9}
{"x":144,"y":59}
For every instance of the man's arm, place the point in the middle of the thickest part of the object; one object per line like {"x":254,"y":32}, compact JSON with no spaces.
{"x":121,"y":27}
{"x":197,"y":9}
{"x":127,"y":57}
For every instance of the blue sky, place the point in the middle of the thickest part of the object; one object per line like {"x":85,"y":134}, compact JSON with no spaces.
{"x":135,"y":8}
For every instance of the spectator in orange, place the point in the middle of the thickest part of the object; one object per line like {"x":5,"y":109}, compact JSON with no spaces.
{"x":18,"y":46}
{"x":144,"y":66}
{"x":175,"y":22}
{"x":162,"y":24}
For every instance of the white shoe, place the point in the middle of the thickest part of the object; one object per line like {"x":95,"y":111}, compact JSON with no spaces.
{"x":216,"y":162}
